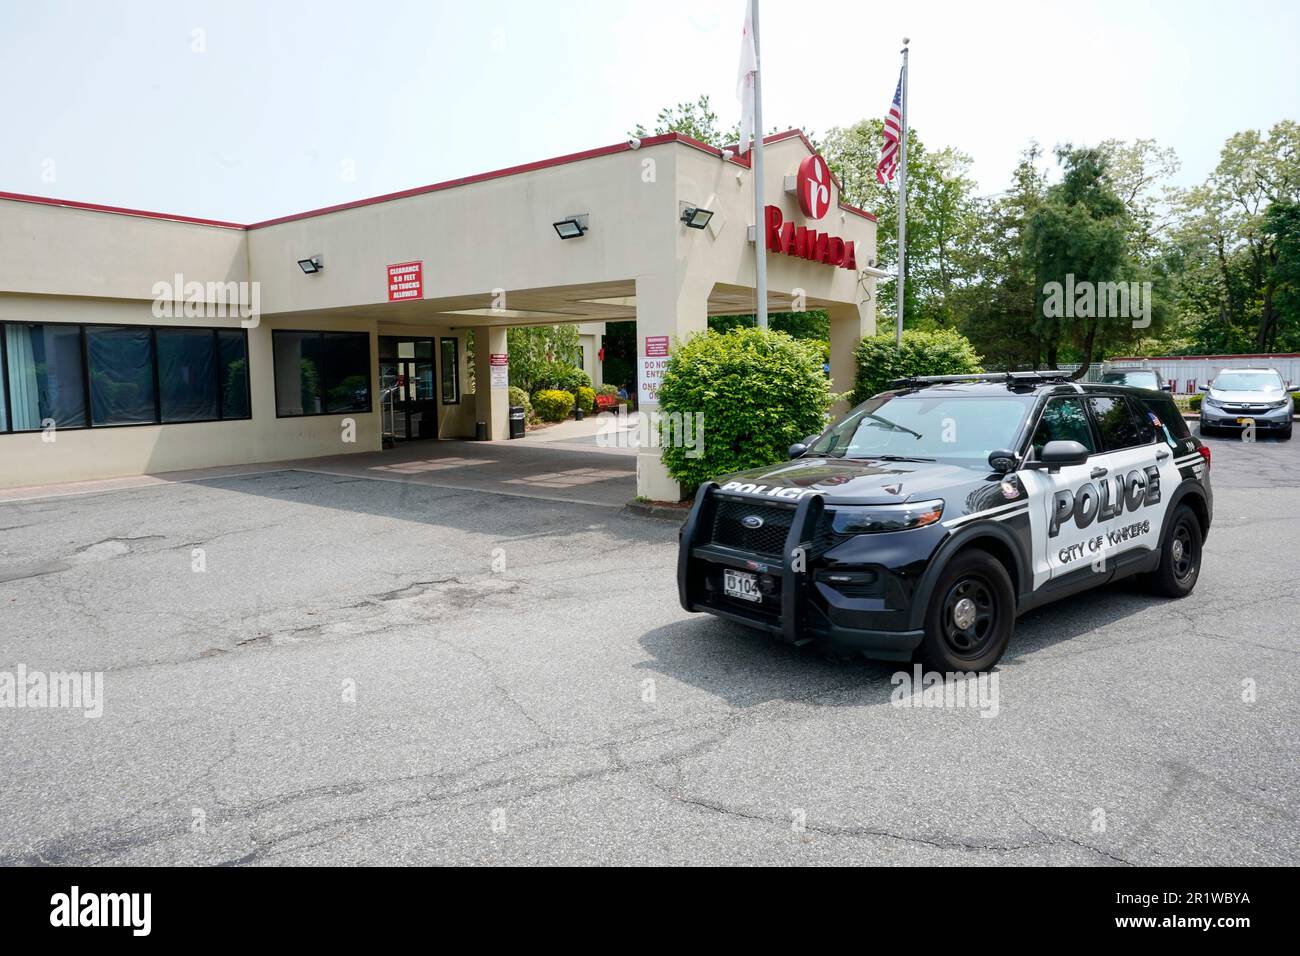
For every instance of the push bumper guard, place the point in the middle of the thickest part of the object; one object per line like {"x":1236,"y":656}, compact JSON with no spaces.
{"x":799,"y":619}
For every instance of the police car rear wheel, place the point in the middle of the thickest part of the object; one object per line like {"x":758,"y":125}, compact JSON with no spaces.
{"x":1180,"y":558}
{"x":971,"y":619}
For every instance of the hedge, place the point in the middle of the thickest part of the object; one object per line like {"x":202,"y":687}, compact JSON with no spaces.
{"x":759,"y":392}
{"x":880,"y":361}
{"x":553,"y":405}
{"x":586,"y":399}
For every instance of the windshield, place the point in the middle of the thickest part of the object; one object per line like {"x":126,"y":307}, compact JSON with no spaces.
{"x":1136,"y":379}
{"x":1248,"y":382}
{"x":928,"y":426}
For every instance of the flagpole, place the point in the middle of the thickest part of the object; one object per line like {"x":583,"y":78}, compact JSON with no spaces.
{"x":902,"y":201}
{"x":760,"y":245}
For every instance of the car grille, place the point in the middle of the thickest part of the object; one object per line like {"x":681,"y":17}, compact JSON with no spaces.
{"x":1245,"y":409}
{"x":768,"y":538}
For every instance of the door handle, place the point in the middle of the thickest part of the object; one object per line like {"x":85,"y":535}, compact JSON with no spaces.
{"x":1098,"y":473}
{"x":1162,"y":455}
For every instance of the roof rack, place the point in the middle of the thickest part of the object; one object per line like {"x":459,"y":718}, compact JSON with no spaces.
{"x":1012,"y":379}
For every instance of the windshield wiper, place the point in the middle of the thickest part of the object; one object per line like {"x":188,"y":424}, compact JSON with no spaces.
{"x":891,"y":425}
{"x":898,"y":458}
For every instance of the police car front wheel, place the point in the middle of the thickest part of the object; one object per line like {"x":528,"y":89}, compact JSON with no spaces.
{"x":971,"y":615}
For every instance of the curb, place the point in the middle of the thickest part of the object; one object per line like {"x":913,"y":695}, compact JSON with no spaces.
{"x":658,"y":511}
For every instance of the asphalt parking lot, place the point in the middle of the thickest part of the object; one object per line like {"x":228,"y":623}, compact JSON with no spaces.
{"x":310,"y":668}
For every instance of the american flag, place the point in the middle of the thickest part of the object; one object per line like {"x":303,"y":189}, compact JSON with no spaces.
{"x":888,"y":164}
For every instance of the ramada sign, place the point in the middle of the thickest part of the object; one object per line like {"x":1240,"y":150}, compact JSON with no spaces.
{"x":812,"y":186}
{"x":805,"y":243}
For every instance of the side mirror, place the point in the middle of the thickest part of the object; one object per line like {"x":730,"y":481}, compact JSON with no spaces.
{"x":801,"y":447}
{"x":1166,"y":387}
{"x":1205,"y":388}
{"x":1002,"y":460}
{"x":1060,"y":454}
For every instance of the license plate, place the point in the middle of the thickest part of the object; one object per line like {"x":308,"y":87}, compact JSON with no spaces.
{"x":1244,"y":421}
{"x":739,"y":584}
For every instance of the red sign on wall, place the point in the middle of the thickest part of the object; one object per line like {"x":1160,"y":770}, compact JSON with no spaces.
{"x":656,"y":346}
{"x":813,"y":185}
{"x":405,"y":281}
{"x":805,"y":243}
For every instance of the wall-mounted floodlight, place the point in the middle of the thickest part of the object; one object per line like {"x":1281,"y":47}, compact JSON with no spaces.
{"x":311,"y":266}
{"x":571,"y":227}
{"x":695,"y":217}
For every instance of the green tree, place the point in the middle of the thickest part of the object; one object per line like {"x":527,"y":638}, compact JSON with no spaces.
{"x":534,"y":351}
{"x":1081,"y":229}
{"x":943,"y":218}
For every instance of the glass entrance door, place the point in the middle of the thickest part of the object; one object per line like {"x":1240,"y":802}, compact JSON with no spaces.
{"x":408,"y":386}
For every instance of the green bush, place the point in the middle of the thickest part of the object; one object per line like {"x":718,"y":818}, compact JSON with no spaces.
{"x":880,"y":361}
{"x":561,"y":375}
{"x":1194,"y":402}
{"x":759,"y":393}
{"x":607,"y":389}
{"x":586,"y":399}
{"x":519,"y":397}
{"x":553,"y":404}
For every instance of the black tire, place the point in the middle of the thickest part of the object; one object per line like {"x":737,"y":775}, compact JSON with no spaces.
{"x":1286,"y":432}
{"x":1206,"y":430}
{"x":1180,"y":555}
{"x":978,"y":577}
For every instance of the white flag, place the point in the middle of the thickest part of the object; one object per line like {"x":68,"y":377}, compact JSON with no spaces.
{"x":745,"y":80}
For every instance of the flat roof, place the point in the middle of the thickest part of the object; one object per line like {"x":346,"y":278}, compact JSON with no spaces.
{"x":625,"y":146}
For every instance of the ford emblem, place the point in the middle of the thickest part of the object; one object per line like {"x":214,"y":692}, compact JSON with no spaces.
{"x":752,"y":521}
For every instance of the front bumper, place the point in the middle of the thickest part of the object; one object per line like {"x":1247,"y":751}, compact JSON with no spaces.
{"x":1274,"y":420}
{"x":852,"y":608}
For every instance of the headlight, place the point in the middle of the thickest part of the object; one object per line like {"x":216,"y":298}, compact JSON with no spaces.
{"x":1281,"y":404}
{"x":868,"y":519}
{"x":1209,"y":402}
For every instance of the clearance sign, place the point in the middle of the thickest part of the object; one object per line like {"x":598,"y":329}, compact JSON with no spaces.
{"x":405,"y":281}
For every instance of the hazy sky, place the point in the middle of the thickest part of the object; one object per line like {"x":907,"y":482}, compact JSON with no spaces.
{"x":292,"y":106}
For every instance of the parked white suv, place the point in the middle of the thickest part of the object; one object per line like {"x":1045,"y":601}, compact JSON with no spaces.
{"x":1239,"y":397}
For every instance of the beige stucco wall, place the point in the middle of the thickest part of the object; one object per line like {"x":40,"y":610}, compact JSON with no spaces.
{"x":84,"y":266}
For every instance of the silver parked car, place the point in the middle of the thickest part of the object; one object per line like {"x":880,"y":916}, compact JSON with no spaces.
{"x":1239,"y":396}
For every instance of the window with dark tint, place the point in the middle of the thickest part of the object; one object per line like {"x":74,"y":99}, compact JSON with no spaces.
{"x":450,"y":371}
{"x":45,"y":376}
{"x":346,"y":377}
{"x":121,"y":375}
{"x":1064,"y":419}
{"x":1167,"y":421}
{"x":1115,"y":423}
{"x":321,"y":373}
{"x":232,"y":350}
{"x":187,"y":375}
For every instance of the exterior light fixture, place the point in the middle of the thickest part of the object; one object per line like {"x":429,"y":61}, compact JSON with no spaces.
{"x":571,"y":227}
{"x":311,"y":266}
{"x":696,"y":218}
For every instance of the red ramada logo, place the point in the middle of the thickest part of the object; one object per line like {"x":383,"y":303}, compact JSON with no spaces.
{"x":813,"y":184}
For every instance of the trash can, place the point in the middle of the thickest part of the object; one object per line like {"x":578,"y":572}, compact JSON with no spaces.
{"x":480,"y":431}
{"x":516,"y":421}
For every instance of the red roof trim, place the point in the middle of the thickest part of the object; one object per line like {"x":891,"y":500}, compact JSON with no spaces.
{"x":119,"y":210}
{"x":1202,"y":358}
{"x":437,"y":187}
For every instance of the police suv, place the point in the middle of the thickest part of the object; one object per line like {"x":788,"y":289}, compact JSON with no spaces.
{"x":928,"y":518}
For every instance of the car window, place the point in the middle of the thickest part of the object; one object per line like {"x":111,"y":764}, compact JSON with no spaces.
{"x":1165,"y":418}
{"x":926,"y":424}
{"x":1248,"y":382}
{"x":1064,"y":419}
{"x":1115,"y":423}
{"x":1146,"y":429}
